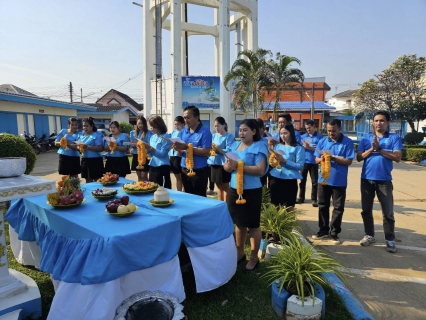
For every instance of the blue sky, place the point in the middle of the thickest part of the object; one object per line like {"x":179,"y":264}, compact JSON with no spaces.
{"x":97,"y":45}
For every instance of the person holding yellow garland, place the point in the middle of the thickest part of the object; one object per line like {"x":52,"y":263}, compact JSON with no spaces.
{"x":222,"y":141}
{"x":287,"y":159}
{"x":69,"y":157}
{"x":158,"y":149}
{"x":195,"y":151}
{"x":116,"y":157}
{"x":174,"y":156}
{"x":141,"y":132}
{"x":245,"y":193}
{"x":92,"y":164}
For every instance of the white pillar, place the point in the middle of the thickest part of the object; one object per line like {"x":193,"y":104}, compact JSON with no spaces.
{"x":183,"y":43}
{"x":252,"y":26}
{"x":176,"y":51}
{"x":216,"y":44}
{"x":238,"y":43}
{"x":224,"y":39}
{"x":148,"y":66}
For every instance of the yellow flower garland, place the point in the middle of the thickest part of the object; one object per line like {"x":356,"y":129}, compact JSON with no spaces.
{"x":112,"y":146}
{"x":142,"y":156}
{"x":213,"y":150}
{"x":81,"y":149}
{"x":190,"y":160}
{"x":64,"y":143}
{"x":326,"y":167}
{"x":240,"y":182}
{"x":273,"y":161}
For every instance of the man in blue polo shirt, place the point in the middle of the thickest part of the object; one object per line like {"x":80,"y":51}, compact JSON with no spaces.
{"x":378,"y":151}
{"x":201,"y":139}
{"x":341,"y":149}
{"x":310,"y":140}
{"x":283,"y":119}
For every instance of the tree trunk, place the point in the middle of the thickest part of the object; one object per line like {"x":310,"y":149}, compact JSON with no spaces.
{"x":411,"y":124}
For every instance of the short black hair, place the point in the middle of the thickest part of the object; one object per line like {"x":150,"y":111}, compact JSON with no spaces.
{"x":335,"y":122}
{"x":310,"y":123}
{"x":180,"y":119}
{"x":382,"y":113}
{"x":252,"y":124}
{"x":260,"y":123}
{"x":286,"y":116}
{"x":195,"y":111}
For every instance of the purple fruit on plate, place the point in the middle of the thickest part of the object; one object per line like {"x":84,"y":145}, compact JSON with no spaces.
{"x":125,"y":200}
{"x":112,"y":208}
{"x":117,"y":202}
{"x":108,"y":203}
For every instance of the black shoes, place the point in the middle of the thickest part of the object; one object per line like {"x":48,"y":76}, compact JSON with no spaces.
{"x":300,"y":201}
{"x":315,"y":203}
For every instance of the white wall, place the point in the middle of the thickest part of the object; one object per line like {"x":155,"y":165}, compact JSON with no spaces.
{"x":21,"y":123}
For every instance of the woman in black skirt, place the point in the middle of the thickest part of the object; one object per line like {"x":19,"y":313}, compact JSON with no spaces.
{"x":175,"y":156}
{"x":69,"y":157}
{"x":254,"y":154}
{"x":117,"y":161}
{"x":140,"y":133}
{"x":92,"y":164}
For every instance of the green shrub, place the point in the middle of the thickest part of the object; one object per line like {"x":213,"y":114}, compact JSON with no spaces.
{"x":125,"y":127}
{"x":413,"y":138}
{"x":13,"y":146}
{"x":414,"y":154}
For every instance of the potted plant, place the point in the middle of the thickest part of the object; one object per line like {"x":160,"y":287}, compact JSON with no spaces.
{"x":298,"y":268}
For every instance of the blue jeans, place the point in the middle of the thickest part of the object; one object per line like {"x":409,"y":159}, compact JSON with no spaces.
{"x":383,"y":189}
{"x":325,"y":193}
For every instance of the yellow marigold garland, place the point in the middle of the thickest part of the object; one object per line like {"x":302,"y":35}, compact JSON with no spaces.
{"x":142,"y":156}
{"x":112,"y":146}
{"x":273,"y":161}
{"x":326,"y":167}
{"x":190,"y":160}
{"x":81,"y":149}
{"x":213,"y":150}
{"x":64,"y":143}
{"x":240,"y":182}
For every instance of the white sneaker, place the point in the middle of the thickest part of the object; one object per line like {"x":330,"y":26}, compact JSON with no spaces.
{"x":367,"y":240}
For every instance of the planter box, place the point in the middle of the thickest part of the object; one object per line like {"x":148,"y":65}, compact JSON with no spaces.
{"x":279,"y":300}
{"x":272,"y":249}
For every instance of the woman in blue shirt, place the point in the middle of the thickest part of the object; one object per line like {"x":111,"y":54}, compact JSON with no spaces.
{"x":117,"y":162}
{"x":223,"y":141}
{"x":92,"y":164}
{"x":176,"y":156}
{"x":141,"y":132}
{"x":69,"y":157}
{"x":158,"y":148}
{"x":283,"y":182}
{"x":254,"y":154}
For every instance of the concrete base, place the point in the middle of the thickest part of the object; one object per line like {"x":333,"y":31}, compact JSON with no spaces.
{"x":272,"y":249}
{"x":29,"y":301}
{"x":310,"y":310}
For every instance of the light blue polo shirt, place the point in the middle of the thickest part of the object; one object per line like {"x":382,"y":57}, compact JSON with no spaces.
{"x":315,"y":138}
{"x":162,"y":147}
{"x":71,"y":139}
{"x":295,"y":157}
{"x":297,"y":134}
{"x":146,"y":139}
{"x":251,"y":156}
{"x":93,"y":140}
{"x":200,"y":138}
{"x":344,"y":147}
{"x":173,"y":152}
{"x":225,"y":143}
{"x":377,"y":166}
{"x":120,"y":142}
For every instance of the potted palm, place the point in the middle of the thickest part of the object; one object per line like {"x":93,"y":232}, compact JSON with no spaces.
{"x":297,"y":270}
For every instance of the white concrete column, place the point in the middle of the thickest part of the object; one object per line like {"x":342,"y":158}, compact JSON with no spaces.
{"x":148,"y":58}
{"x":183,"y":44}
{"x":224,"y":38}
{"x":244,"y":35}
{"x":252,"y":26}
{"x":238,"y":43}
{"x":217,"y":57}
{"x":176,"y":59}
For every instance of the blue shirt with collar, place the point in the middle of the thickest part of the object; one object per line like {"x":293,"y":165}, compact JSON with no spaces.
{"x":200,"y":138}
{"x":225,"y":143}
{"x":343,"y":147}
{"x":71,"y":139}
{"x":146,"y":139}
{"x":251,"y":156}
{"x":296,"y":133}
{"x":92,"y":140}
{"x":376,"y":166}
{"x":314,"y":139}
{"x":120,"y":142}
{"x":295,"y":156}
{"x":173,"y":152}
{"x":160,"y":157}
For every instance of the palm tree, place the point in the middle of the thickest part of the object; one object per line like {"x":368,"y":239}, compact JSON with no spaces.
{"x":284,"y":77}
{"x":252,"y":75}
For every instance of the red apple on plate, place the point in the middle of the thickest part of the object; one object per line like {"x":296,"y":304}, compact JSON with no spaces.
{"x":125,"y":200}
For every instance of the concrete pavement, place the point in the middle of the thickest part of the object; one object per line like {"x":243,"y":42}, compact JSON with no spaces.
{"x":391,"y":286}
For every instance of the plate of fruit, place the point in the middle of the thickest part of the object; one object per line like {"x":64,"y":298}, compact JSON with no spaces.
{"x":68,"y":195}
{"x":121,"y":207}
{"x":108,"y":179}
{"x":104,"y":193}
{"x":140,"y":187}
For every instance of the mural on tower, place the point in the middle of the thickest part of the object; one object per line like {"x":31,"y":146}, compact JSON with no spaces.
{"x":202,"y":92}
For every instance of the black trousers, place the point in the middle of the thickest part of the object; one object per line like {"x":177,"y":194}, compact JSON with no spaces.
{"x":325,"y":193}
{"x":196,"y":184}
{"x":157,"y":174}
{"x":313,"y":172}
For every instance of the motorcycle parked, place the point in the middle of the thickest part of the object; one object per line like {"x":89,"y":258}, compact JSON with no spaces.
{"x":31,"y":140}
{"x":52,"y":139}
{"x":44,"y":143}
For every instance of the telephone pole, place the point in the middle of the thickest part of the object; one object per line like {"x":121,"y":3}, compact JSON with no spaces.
{"x":71,"y":91}
{"x":312,"y":101}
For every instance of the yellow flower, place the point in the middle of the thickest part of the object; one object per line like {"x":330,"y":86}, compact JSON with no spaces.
{"x":240,"y":182}
{"x":190,"y":160}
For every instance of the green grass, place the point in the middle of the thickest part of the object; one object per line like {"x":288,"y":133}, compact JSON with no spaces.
{"x":244,"y":297}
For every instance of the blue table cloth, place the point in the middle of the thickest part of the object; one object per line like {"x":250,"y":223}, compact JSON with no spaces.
{"x":88,"y":246}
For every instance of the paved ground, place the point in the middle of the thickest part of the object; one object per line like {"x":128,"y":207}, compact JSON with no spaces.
{"x":391,"y":286}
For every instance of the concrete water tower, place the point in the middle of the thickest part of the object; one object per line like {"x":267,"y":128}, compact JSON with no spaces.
{"x":163,"y":93}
